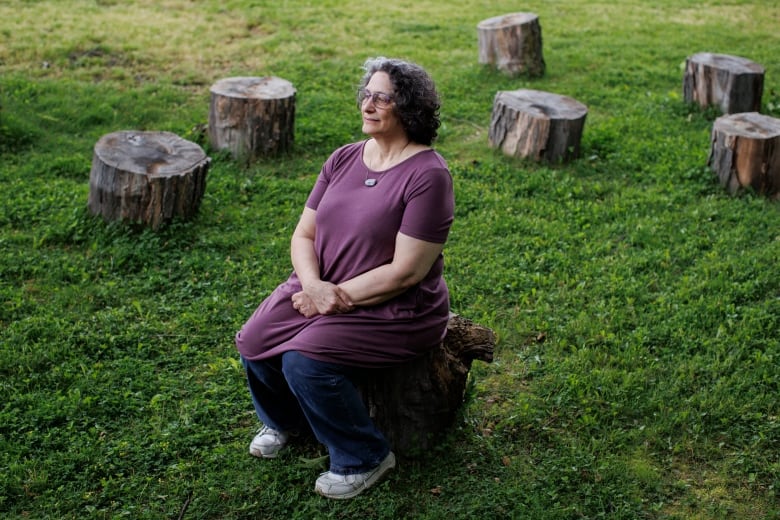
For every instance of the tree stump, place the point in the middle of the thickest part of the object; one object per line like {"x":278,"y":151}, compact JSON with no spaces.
{"x":537,"y":125}
{"x":252,"y":117}
{"x":745,"y":153}
{"x":147,"y":177}
{"x":731,"y":83}
{"x":414,"y":403}
{"x":513,"y":43}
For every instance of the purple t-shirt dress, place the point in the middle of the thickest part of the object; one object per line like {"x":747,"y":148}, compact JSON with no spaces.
{"x":356,"y":227}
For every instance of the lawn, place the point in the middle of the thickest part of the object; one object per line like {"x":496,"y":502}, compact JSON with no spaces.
{"x":636,"y":302}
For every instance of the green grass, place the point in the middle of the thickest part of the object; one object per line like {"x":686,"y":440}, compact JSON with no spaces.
{"x":637,"y":303}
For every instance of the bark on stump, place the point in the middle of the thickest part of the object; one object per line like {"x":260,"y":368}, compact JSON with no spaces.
{"x":147,"y":177}
{"x":745,"y":153}
{"x":513,"y":43}
{"x":414,"y":403}
{"x":252,"y":117}
{"x":731,"y":83}
{"x":537,"y":125}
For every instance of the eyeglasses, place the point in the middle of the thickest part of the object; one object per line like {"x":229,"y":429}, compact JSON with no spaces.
{"x":379,"y":99}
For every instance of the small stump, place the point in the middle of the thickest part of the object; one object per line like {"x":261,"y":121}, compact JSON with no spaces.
{"x":537,"y":125}
{"x":147,"y":177}
{"x":513,"y":43}
{"x":745,"y":153}
{"x":414,"y":403}
{"x":252,"y":117}
{"x":731,"y":83}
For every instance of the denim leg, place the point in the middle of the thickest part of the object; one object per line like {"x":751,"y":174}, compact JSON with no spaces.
{"x":335,"y":412}
{"x":274,"y":403}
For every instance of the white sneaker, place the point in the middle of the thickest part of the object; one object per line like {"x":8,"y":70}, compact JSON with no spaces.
{"x":268,"y":442}
{"x":333,"y":485}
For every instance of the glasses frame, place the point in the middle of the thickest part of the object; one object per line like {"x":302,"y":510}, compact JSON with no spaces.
{"x":380,"y":100}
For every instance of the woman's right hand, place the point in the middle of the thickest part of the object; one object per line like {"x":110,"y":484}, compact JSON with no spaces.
{"x":325,"y":297}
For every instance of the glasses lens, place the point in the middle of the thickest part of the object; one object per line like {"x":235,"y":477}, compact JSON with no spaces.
{"x":379,"y":99}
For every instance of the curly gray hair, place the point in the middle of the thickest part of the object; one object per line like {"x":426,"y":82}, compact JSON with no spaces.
{"x":416,"y":100}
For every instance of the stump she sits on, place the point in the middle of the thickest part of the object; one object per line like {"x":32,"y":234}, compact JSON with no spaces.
{"x":513,"y":43}
{"x":732,"y":83}
{"x":537,"y":125}
{"x":251,"y":116}
{"x":745,"y":153}
{"x":147,"y":177}
{"x":414,"y":403}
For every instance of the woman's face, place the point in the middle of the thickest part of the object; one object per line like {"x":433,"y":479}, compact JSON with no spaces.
{"x":380,"y":119}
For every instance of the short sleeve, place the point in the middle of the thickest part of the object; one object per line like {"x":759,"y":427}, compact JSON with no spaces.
{"x":326,"y":174}
{"x":430,"y":206}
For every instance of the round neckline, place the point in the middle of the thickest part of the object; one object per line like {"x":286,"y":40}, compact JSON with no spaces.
{"x":399,"y":163}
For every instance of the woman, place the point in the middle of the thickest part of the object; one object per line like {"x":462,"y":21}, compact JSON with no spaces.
{"x":367,"y":288}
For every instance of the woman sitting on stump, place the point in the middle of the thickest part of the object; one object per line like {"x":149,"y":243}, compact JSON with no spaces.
{"x":367,"y":290}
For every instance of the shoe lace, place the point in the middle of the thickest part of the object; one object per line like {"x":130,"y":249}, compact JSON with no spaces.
{"x":265,"y":430}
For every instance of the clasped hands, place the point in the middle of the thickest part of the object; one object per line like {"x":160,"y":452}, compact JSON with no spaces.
{"x":321,"y":298}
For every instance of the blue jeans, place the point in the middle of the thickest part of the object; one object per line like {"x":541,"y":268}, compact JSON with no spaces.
{"x":293,"y":392}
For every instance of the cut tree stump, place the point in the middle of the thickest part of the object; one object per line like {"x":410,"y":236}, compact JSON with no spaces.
{"x":252,"y":117}
{"x":414,"y":403}
{"x":731,"y":83}
{"x":513,"y":43}
{"x":745,"y":153}
{"x":146,"y":177}
{"x":537,"y":125}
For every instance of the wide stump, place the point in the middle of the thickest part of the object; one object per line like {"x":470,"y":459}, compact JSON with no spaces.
{"x":537,"y":125}
{"x":414,"y":403}
{"x":513,"y":43}
{"x":745,"y":153}
{"x":252,"y":116}
{"x":731,"y":83}
{"x":146,"y":177}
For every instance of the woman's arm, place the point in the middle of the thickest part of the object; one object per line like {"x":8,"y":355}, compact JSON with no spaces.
{"x":317,"y":297}
{"x":302,"y":254}
{"x":412,"y":260}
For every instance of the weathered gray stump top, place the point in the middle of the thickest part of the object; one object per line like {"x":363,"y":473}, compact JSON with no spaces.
{"x":157,"y":154}
{"x":543,"y":104}
{"x":251,"y":87}
{"x":749,"y":124}
{"x":736,"y":64}
{"x":507,"y":20}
